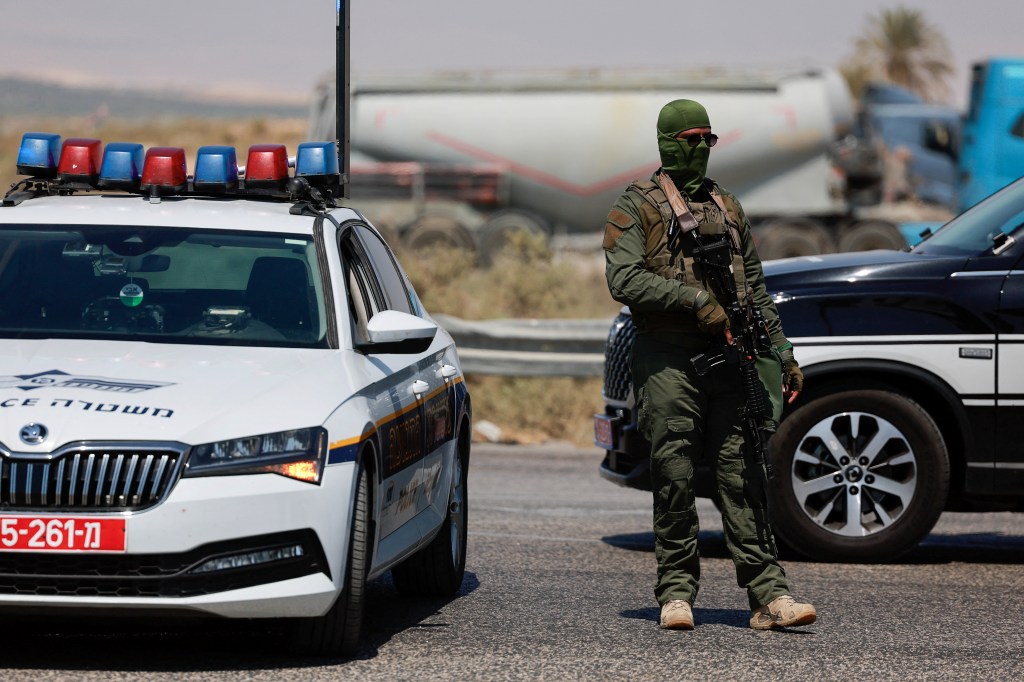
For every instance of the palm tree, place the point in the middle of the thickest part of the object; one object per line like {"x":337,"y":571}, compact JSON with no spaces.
{"x":857,"y":75}
{"x":900,"y":47}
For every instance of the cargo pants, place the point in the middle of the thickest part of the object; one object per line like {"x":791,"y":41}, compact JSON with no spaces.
{"x":688,"y":417}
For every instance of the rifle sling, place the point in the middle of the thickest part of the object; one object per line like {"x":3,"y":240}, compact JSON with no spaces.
{"x":684,"y":218}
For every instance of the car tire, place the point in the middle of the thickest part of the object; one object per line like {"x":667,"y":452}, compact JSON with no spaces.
{"x":337,"y":632}
{"x":438,"y":568}
{"x":871,"y":495}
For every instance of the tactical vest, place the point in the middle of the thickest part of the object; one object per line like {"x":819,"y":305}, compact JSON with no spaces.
{"x":672,"y":255}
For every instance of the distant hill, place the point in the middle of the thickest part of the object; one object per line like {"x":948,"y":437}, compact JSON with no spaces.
{"x":21,"y":97}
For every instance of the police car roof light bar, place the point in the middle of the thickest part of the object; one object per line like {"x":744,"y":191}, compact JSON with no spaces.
{"x":216,"y":169}
{"x":78,"y":165}
{"x":38,"y":155}
{"x":80,"y":160}
{"x":267,"y":167}
{"x":163,"y":171}
{"x":318,"y":163}
{"x":122,"y":166}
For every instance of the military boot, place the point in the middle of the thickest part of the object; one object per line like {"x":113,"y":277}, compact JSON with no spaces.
{"x":782,"y":612}
{"x":677,"y":615}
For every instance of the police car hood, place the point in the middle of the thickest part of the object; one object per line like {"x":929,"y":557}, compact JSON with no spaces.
{"x":106,"y":390}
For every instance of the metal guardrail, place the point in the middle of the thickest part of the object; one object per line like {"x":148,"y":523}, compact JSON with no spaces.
{"x":529,"y":348}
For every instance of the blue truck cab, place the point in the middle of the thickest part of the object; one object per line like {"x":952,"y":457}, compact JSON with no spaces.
{"x":898,"y":119}
{"x":992,"y":154}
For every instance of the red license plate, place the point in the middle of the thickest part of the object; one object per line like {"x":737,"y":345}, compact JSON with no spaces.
{"x":604,"y":431}
{"x":62,"y":533}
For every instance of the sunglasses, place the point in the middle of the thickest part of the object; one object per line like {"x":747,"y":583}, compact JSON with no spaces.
{"x":694,"y":140}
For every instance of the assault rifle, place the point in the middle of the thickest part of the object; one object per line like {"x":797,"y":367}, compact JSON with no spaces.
{"x":745,"y":339}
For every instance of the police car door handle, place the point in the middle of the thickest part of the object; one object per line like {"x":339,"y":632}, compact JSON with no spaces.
{"x":448,"y":371}
{"x":419,"y":387}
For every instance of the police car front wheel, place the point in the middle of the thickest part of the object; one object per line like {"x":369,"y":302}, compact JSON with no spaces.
{"x":336,"y":633}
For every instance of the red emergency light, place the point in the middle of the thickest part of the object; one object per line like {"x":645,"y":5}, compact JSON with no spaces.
{"x":163,"y":171}
{"x":267,"y":167}
{"x":80,"y":160}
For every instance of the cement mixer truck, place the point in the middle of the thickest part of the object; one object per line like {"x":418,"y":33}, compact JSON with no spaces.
{"x":569,"y":143}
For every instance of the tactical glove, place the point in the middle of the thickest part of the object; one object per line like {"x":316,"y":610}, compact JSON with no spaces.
{"x":792,"y":375}
{"x":711,"y":317}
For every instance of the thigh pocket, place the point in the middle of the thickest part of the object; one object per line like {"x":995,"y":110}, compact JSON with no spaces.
{"x":679,"y":424}
{"x":679,"y":504}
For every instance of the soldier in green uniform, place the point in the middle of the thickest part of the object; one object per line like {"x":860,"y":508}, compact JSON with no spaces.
{"x":650,"y":241}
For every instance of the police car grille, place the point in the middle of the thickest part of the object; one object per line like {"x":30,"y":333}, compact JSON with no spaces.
{"x":94,"y":480}
{"x":617,"y":378}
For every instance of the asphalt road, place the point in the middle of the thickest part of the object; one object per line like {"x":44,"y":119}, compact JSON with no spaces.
{"x":559,"y":587}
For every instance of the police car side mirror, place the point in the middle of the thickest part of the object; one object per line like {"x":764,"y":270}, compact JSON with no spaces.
{"x":391,"y":331}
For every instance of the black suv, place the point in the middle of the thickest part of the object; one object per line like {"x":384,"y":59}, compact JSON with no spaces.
{"x":914,"y":400}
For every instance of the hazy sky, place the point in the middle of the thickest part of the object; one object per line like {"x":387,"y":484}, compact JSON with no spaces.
{"x":283,"y":46}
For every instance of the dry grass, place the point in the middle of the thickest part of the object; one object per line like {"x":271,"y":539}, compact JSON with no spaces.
{"x":529,"y":281}
{"x":537,"y":409}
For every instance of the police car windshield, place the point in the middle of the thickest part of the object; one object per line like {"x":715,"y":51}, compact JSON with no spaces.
{"x":972,"y":233}
{"x":162,"y":285}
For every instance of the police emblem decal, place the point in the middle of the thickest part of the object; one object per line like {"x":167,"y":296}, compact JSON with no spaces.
{"x":33,"y":434}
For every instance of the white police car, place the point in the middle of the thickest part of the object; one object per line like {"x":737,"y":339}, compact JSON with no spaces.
{"x":217,"y":396}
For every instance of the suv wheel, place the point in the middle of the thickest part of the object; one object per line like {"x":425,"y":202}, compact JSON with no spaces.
{"x":859,"y":475}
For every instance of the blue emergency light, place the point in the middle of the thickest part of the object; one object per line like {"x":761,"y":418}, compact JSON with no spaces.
{"x":39,"y":154}
{"x":216,"y":169}
{"x":317,"y":162}
{"x":122,"y":166}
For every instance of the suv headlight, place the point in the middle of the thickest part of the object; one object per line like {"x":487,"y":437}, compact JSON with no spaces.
{"x":299,"y":454}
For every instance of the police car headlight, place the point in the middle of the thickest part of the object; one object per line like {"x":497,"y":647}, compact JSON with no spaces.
{"x":299,"y":454}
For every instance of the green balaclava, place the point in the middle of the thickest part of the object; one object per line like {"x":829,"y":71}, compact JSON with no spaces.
{"x":686,"y":165}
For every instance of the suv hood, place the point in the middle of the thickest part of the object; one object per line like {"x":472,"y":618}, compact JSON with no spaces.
{"x":837,"y":261}
{"x":116,"y":390}
{"x":787,"y":273}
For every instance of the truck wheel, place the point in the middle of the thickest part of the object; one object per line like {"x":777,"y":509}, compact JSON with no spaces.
{"x":501,"y":226}
{"x":867,"y":235}
{"x":438,"y":568}
{"x":860,"y":476}
{"x":336,"y":633}
{"x":791,"y":239}
{"x":437,"y":231}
